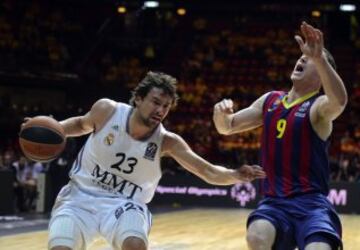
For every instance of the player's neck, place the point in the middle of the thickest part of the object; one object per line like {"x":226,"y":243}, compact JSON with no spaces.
{"x":299,"y":92}
{"x":137,"y":129}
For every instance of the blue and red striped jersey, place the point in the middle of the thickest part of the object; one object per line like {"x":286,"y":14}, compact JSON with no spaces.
{"x":293,"y":156}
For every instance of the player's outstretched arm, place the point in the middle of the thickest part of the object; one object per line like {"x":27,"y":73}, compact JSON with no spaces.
{"x":92,"y":121}
{"x":227,"y":122}
{"x":335,"y":99}
{"x":175,"y":147}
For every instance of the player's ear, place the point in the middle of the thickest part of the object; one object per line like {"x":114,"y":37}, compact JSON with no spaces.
{"x":138,"y":100}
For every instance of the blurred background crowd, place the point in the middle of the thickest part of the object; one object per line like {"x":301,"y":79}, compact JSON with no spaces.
{"x":58,"y":57}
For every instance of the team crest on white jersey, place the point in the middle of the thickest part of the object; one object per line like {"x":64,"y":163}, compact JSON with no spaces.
{"x":119,"y":212}
{"x":115,"y":127}
{"x":150,"y":151}
{"x":109,"y":139}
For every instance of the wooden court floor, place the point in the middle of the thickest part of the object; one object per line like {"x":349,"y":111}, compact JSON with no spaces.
{"x":196,"y":229}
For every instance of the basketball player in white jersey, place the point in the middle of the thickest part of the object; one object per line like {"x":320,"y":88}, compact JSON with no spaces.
{"x":116,"y":172}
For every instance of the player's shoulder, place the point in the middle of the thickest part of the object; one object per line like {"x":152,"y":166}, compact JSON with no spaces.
{"x":171,"y":137}
{"x":105,"y":109}
{"x":170,"y":140}
{"x":316,"y":103}
{"x":102,"y":110}
{"x":123,"y":105}
{"x":320,"y":97}
{"x":276,"y":93}
{"x":273,"y":95}
{"x":104,"y":103}
{"x":261,"y":100}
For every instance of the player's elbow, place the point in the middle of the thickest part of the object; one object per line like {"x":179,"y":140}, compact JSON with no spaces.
{"x":340,"y":102}
{"x":224,"y":132}
{"x":344,"y":100}
{"x":337,"y":103}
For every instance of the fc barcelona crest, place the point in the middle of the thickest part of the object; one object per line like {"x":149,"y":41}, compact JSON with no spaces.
{"x":150,"y":151}
{"x":109,"y":139}
{"x":274,"y":105}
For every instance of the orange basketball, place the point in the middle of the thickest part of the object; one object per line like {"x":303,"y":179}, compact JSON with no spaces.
{"x":42,"y":139}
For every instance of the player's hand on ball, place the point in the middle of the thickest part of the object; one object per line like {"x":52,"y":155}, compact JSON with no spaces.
{"x":42,"y":138}
{"x":247,"y":173}
{"x":226,"y":106}
{"x":26,"y":119}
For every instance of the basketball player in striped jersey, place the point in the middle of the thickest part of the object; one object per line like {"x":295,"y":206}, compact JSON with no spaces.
{"x":116,"y":172}
{"x":296,"y":127}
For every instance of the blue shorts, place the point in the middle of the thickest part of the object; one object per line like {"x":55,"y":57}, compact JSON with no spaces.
{"x":300,"y":220}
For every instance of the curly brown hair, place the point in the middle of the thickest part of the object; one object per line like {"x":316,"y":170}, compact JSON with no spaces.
{"x":155,"y":80}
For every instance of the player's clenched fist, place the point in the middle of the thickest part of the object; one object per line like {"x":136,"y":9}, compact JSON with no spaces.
{"x":226,"y":106}
{"x":222,"y":115}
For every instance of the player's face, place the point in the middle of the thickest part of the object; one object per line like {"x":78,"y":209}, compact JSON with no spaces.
{"x":305,"y":71}
{"x":154,"y":107}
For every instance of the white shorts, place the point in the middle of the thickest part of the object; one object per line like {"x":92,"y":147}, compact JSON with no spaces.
{"x":114,"y":219}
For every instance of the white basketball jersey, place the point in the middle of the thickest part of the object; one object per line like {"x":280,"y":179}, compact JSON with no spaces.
{"x":112,"y":163}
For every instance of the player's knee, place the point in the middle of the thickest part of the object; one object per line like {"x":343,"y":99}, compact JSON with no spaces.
{"x":260,"y":235}
{"x":131,"y":232}
{"x":60,"y":248}
{"x":256,"y":241}
{"x":64,"y":234}
{"x":321,"y":241}
{"x":133,"y":243}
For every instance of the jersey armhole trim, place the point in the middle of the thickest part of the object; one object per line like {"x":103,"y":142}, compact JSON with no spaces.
{"x":108,"y":119}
